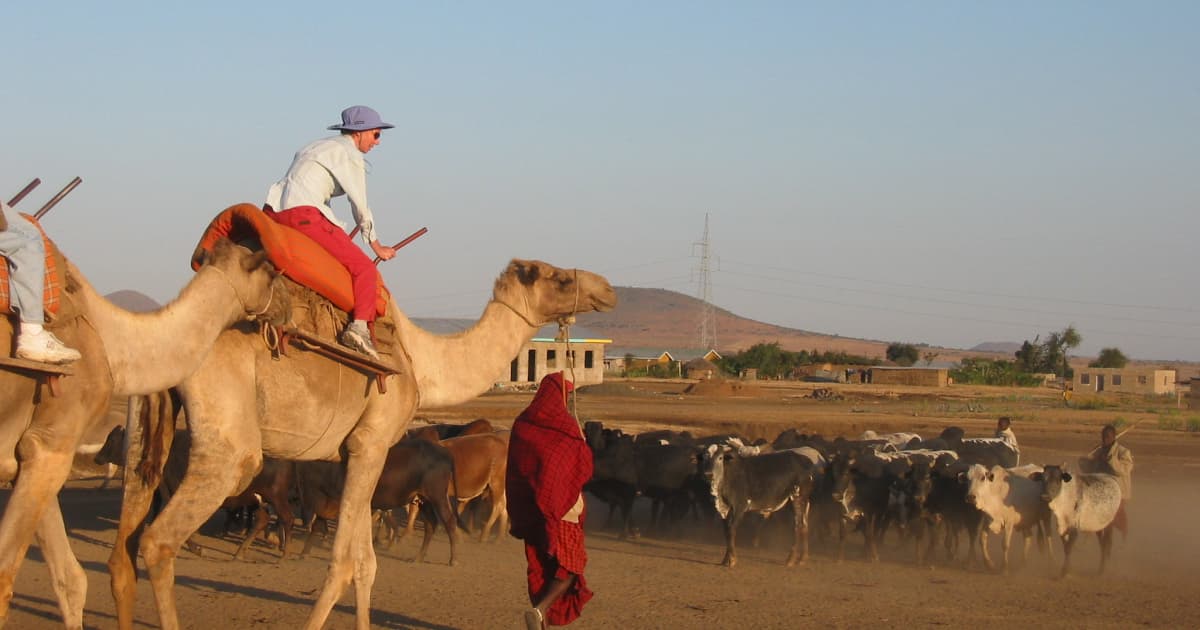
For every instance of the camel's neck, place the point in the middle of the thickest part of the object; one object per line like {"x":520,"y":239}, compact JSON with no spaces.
{"x":452,"y":369}
{"x":149,"y":352}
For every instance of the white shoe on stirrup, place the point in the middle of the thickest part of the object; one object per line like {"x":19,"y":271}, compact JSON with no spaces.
{"x":44,"y":347}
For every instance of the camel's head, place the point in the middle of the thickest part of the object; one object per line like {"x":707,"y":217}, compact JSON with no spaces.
{"x":259,"y":290}
{"x":544,"y":293}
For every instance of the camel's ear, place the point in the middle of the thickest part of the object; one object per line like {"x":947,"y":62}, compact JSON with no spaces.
{"x":256,"y":260}
{"x":527,"y":272}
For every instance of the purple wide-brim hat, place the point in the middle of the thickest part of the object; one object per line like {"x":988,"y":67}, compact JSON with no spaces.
{"x":360,"y":118}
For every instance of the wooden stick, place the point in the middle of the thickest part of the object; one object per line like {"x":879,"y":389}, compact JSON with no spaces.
{"x":1119,"y":436}
{"x":57,"y":198}
{"x":24,"y":191}
{"x":411,"y":237}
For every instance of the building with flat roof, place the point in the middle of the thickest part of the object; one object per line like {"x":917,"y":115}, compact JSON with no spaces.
{"x":1132,"y":380}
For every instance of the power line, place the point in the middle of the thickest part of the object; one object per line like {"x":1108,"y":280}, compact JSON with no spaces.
{"x":1181,"y":309}
{"x":961,"y":303}
{"x":877,"y":308}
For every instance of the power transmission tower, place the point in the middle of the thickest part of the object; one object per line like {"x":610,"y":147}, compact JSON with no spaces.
{"x":707,"y":327}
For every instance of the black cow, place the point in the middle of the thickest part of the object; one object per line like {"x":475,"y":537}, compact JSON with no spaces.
{"x":761,"y":483}
{"x":667,"y":475}
{"x":614,"y":472}
{"x":863,"y":496}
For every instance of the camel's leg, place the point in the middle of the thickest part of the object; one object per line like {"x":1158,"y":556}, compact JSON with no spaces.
{"x":43,"y":473}
{"x":353,"y":556}
{"x":138,"y":498}
{"x":205,"y":486}
{"x":66,"y":575}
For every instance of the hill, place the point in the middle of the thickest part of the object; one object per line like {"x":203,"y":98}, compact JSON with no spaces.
{"x":133,"y":301}
{"x":660,"y":318}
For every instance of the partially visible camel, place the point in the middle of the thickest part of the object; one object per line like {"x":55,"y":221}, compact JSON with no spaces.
{"x":244,"y":402}
{"x":123,"y":353}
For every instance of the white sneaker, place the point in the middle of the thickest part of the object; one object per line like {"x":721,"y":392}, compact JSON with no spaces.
{"x":44,"y":347}
{"x":357,"y":337}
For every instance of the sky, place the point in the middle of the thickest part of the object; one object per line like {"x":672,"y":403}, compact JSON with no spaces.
{"x":934,"y":172}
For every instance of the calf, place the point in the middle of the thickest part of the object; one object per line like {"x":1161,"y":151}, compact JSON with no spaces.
{"x":761,"y":483}
{"x":1009,"y":502}
{"x":1080,"y":503}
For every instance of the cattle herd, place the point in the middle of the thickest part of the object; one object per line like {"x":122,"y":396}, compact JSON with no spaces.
{"x":927,"y":490}
{"x":946,"y":489}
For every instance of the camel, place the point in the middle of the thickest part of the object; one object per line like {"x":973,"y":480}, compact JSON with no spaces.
{"x":123,"y":353}
{"x":245,"y":401}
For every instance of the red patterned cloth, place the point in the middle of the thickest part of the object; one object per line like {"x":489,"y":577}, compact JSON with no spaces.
{"x":52,"y":288}
{"x":548,"y":463}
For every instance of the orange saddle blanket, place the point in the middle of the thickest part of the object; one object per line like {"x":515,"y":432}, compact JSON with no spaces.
{"x":52,"y":291}
{"x":293,"y":254}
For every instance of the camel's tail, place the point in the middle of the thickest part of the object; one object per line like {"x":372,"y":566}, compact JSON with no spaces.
{"x":156,"y":418}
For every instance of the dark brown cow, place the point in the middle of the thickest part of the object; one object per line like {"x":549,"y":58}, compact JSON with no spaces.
{"x":413,"y":469}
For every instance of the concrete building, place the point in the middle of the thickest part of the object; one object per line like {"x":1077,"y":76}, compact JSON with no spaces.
{"x":620,"y":359}
{"x":1131,"y":380}
{"x":543,"y":354}
{"x":918,"y":376}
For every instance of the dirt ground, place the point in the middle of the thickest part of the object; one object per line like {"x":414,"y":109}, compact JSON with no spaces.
{"x":676,"y":582}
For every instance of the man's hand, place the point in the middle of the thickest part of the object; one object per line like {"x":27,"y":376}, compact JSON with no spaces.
{"x":383,"y":251}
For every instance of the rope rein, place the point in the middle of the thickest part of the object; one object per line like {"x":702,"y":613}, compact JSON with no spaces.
{"x":564,"y":332}
{"x":251,"y":314}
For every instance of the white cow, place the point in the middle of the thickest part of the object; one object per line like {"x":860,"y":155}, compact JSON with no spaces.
{"x":1081,"y":503}
{"x":1009,"y":502}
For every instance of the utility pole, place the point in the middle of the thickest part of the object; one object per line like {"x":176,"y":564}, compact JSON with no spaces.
{"x":707,"y":327}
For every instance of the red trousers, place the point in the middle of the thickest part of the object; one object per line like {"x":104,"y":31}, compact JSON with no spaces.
{"x":363,"y":273}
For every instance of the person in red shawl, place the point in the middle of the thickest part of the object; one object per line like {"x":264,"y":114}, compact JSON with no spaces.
{"x":548,"y":463}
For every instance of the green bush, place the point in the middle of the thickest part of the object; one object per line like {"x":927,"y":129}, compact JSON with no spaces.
{"x":1119,"y":423}
{"x":1170,"y":424}
{"x":1193,"y":425}
{"x":1094,"y":402}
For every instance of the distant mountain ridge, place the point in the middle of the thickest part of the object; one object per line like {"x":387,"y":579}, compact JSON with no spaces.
{"x":133,"y":301}
{"x":1003,"y":347}
{"x":666,"y":319}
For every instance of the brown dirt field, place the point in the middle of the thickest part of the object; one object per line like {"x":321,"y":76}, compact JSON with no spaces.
{"x":676,"y":582}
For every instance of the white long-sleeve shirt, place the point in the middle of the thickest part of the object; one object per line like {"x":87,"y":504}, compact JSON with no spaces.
{"x":323,"y":170}
{"x":1008,"y":436}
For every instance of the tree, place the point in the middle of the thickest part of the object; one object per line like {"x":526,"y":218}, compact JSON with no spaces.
{"x":1050,"y":356}
{"x":929,"y":357}
{"x":1110,"y":358}
{"x":904,"y":354}
{"x":1070,"y":339}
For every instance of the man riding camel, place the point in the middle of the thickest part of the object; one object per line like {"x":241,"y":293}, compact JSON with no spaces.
{"x":21,"y":244}
{"x":328,"y":168}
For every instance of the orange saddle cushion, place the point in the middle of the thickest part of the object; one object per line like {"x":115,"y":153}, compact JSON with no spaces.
{"x":293,"y":254}
{"x":52,"y":291}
